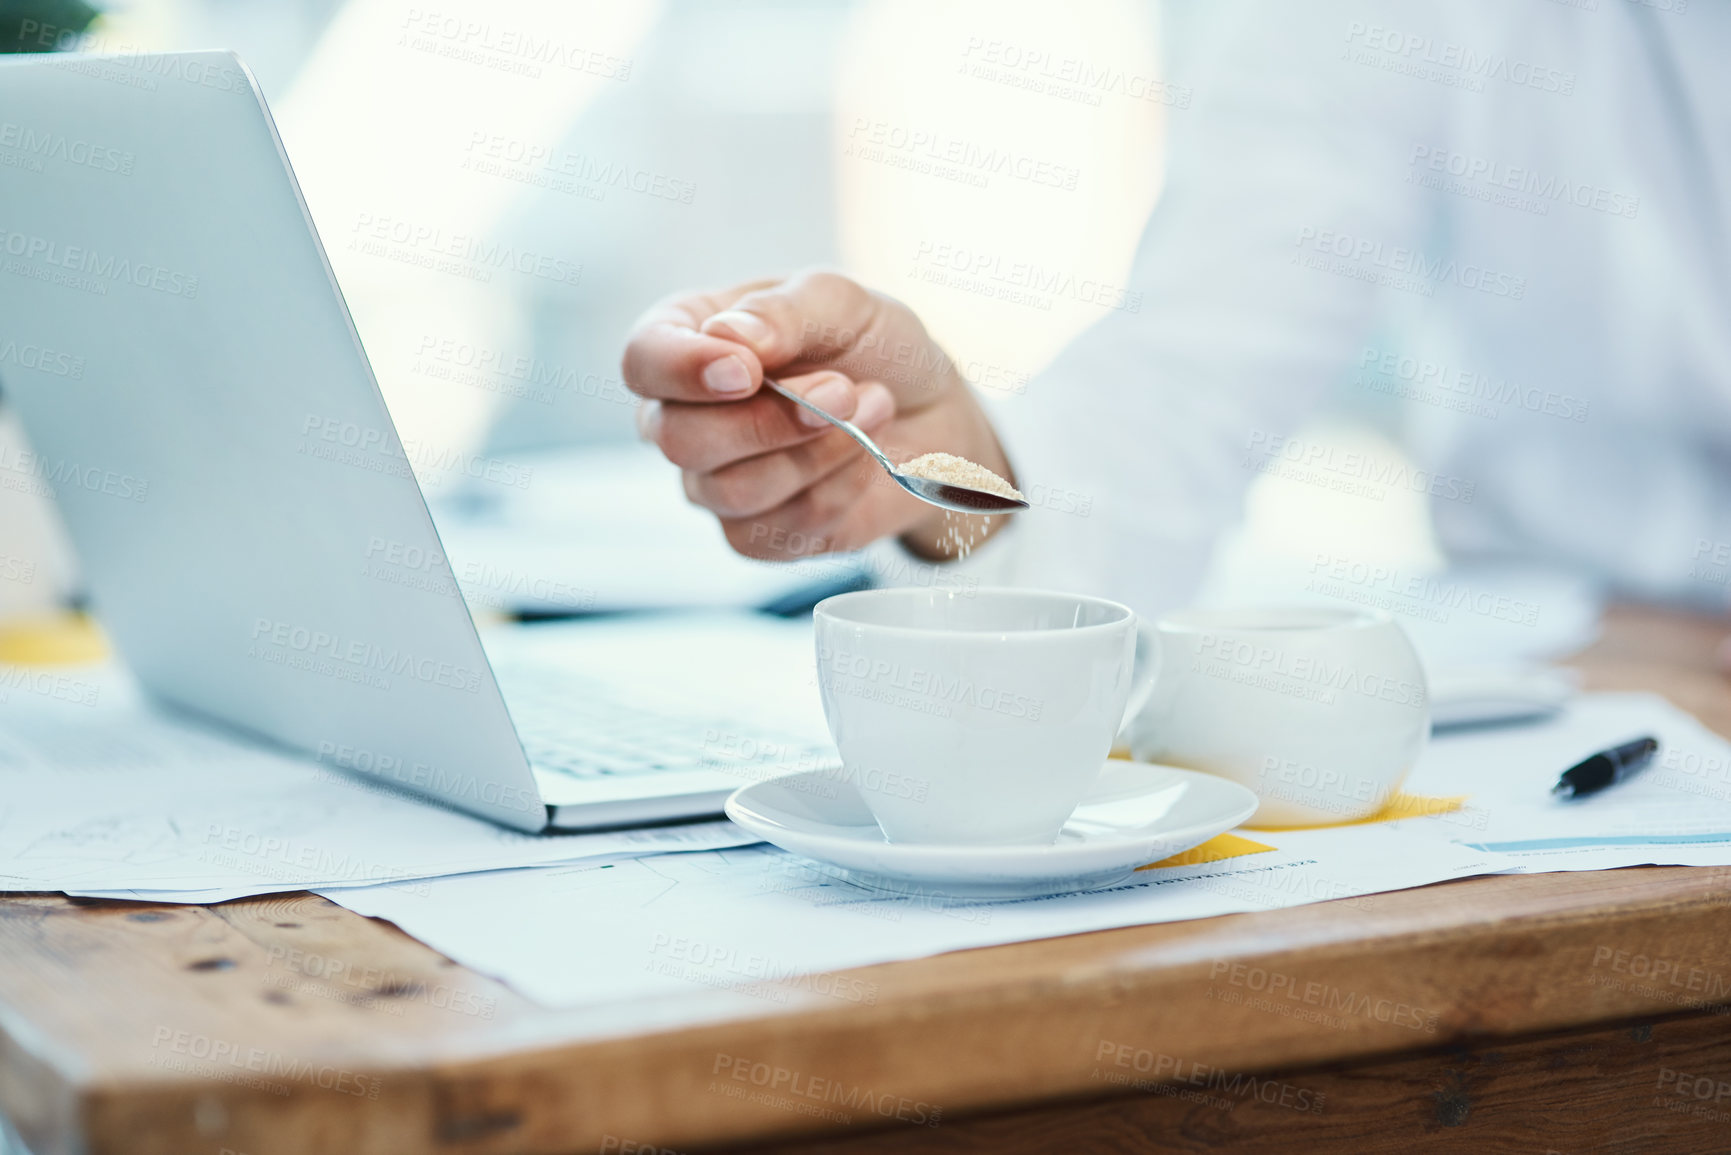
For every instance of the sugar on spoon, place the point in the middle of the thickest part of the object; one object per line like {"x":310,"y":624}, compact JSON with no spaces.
{"x":943,"y":494}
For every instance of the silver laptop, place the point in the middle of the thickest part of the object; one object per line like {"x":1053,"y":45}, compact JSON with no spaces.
{"x":245,"y":515}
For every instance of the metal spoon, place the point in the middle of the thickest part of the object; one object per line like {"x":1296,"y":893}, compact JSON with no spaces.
{"x":959,"y":498}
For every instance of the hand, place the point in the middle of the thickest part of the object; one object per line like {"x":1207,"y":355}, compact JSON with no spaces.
{"x":784,"y":482}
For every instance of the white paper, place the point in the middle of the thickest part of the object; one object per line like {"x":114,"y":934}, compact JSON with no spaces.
{"x":113,"y":799}
{"x":1675,"y":812}
{"x":738,"y":920}
{"x":748,"y":920}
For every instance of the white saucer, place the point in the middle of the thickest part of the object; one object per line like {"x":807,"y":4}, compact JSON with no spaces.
{"x":1137,"y":813}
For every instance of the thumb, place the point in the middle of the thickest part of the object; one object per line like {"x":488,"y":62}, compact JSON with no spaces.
{"x":820,"y":320}
{"x":805,"y":322}
{"x":753,"y":330}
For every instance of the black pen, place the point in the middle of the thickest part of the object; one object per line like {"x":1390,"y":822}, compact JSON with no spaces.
{"x":1606,"y":768}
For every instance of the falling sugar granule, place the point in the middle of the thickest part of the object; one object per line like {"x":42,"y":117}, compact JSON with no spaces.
{"x":963,"y":531}
{"x":949,"y":469}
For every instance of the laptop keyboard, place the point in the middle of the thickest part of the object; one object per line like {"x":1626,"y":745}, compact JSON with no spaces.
{"x":570,"y":725}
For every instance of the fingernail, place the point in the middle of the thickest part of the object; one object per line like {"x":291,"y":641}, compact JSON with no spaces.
{"x":728,"y":375}
{"x":649,"y":420}
{"x":875,"y":407}
{"x":748,"y":328}
{"x":833,"y":397}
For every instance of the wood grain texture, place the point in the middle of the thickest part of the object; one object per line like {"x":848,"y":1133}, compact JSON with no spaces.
{"x":1648,"y":1087}
{"x":291,"y":1025}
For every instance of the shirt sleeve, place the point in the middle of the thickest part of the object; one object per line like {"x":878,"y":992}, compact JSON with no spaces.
{"x":1279,"y":235}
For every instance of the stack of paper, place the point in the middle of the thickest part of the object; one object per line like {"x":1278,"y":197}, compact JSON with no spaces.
{"x":743,"y":919}
{"x":105,"y":798}
{"x":748,"y":920}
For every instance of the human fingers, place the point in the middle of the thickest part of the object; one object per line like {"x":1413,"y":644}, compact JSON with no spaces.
{"x":704,"y":438}
{"x":667,"y":357}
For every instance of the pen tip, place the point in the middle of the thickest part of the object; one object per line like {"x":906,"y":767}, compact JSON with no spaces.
{"x":1562,"y":790}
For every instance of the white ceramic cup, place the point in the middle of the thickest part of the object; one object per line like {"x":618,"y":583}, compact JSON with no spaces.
{"x":976,"y":716}
{"x":1321,"y":712}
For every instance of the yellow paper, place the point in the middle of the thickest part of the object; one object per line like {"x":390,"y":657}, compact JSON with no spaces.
{"x":60,"y":640}
{"x":1216,"y":848}
{"x":1400,"y":805}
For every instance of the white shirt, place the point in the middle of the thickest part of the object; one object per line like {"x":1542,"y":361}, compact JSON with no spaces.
{"x":1511,"y":215}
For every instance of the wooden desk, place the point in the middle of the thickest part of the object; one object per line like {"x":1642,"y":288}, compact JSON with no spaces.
{"x":1563,"y":1012}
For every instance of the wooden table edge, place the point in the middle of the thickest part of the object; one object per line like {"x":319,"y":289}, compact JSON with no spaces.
{"x":1037,"y":1033}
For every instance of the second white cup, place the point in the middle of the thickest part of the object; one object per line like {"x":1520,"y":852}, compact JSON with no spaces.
{"x":1320,"y":712}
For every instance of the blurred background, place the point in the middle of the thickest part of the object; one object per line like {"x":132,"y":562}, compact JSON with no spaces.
{"x":502,"y":186}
